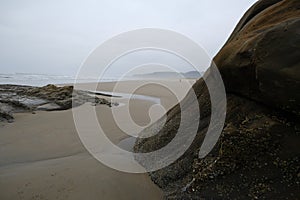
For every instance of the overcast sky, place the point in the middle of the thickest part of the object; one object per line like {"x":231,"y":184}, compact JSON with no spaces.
{"x":55,"y":37}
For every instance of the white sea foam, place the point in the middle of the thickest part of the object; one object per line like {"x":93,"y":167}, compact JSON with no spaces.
{"x":43,"y":79}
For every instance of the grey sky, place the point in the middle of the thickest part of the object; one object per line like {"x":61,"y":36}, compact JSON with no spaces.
{"x":56,"y":36}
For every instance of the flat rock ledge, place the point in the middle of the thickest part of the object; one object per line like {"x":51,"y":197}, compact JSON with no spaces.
{"x":17,"y":98}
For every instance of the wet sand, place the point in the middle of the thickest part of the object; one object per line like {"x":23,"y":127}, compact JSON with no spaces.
{"x":42,"y":157}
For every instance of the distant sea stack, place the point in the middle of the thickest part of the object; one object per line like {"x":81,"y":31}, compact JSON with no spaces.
{"x":258,"y":154}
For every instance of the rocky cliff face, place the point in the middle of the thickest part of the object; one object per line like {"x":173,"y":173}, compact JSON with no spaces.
{"x":257,"y":155}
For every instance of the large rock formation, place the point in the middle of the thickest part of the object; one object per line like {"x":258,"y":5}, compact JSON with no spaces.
{"x":257,"y":155}
{"x":261,"y":58}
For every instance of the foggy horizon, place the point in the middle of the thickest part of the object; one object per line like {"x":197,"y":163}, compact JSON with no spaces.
{"x":51,"y":38}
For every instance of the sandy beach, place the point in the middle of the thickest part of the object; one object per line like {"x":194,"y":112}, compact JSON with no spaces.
{"x":42,"y":156}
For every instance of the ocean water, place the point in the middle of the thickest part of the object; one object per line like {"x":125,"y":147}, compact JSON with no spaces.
{"x":43,"y":79}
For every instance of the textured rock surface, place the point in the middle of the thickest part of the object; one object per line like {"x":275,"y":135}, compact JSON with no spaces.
{"x":15,"y":98}
{"x":262,"y":57}
{"x":257,"y":155}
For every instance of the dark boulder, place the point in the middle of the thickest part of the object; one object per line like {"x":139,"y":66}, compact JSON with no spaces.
{"x":257,"y":155}
{"x":261,"y":59}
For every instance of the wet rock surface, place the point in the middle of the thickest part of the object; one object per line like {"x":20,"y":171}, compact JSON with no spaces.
{"x":16,"y":98}
{"x":257,"y":155}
